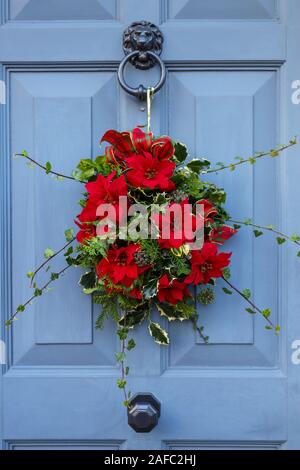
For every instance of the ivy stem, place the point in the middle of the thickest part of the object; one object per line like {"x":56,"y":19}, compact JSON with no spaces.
{"x":199,"y":330}
{"x":60,"y":175}
{"x":252,"y":159}
{"x":59,"y":274}
{"x":123,"y":368}
{"x":269,"y":229}
{"x":49,"y":259}
{"x":248,"y":301}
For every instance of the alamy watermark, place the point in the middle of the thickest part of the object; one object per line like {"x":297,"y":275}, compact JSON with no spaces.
{"x":296,"y":93}
{"x":296,"y":353}
{"x":166,"y":222}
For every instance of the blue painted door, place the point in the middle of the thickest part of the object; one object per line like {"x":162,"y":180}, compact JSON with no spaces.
{"x":231,"y":66}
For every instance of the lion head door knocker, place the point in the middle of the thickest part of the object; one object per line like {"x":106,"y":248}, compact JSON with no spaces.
{"x":142,"y":45}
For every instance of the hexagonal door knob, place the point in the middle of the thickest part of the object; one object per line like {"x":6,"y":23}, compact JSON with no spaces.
{"x":143,"y":412}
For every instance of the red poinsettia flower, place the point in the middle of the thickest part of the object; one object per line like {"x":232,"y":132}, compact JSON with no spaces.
{"x":171,"y":291}
{"x":125,"y":144}
{"x":120,"y":267}
{"x":221,"y":234}
{"x":209,"y":211}
{"x":207,"y":264}
{"x":177,"y":225}
{"x":105,"y":190}
{"x":121,"y":144}
{"x":86,"y":232}
{"x":88,"y":213}
{"x":146,"y":171}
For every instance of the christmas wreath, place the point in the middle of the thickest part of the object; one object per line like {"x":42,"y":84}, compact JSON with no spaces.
{"x":151,"y":235}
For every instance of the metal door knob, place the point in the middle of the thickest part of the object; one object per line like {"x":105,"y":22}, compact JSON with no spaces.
{"x":143,"y":412}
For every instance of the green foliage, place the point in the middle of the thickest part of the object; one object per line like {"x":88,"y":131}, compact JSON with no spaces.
{"x":181,"y":152}
{"x":159,"y":334}
{"x":251,"y":311}
{"x":48,"y":253}
{"x":199,"y":165}
{"x":247,"y":293}
{"x":88,"y":280}
{"x":48,"y":167}
{"x":226,"y":274}
{"x":280,"y":240}
{"x":134,"y":317}
{"x":87,"y":168}
{"x":69,"y":234}
{"x":227,"y":291}
{"x":266,"y":313}
{"x":109,"y":309}
{"x":258,"y":233}
{"x":150,"y":289}
{"x":181,"y":311}
{"x":131,"y":344}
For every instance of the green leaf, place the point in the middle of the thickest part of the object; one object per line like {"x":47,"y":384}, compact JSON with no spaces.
{"x":88,"y":280}
{"x":251,"y":311}
{"x":122,"y":333}
{"x":38,"y":293}
{"x":69,"y":234}
{"x":159,"y":334}
{"x":120,"y":356}
{"x":236,"y":226}
{"x":247,"y":293}
{"x":150,"y":289}
{"x":181,"y":152}
{"x":48,"y":167}
{"x":269,"y":327}
{"x":298,"y":254}
{"x":226,"y":274}
{"x":277,"y":328}
{"x":274,"y":153}
{"x":25,"y":154}
{"x":266,"y":313}
{"x":227,"y":291}
{"x":69,"y":251}
{"x":127,"y":370}
{"x":131,"y":344}
{"x":121,"y":383}
{"x":258,"y":233}
{"x":30,"y":274}
{"x":21,"y":308}
{"x":48,"y":253}
{"x":54,"y":276}
{"x":196,"y":166}
{"x":280,"y":240}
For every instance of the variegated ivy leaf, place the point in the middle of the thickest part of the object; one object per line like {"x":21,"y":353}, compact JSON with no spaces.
{"x":150,"y":290}
{"x":88,"y":280}
{"x":159,"y":334}
{"x":181,"y":152}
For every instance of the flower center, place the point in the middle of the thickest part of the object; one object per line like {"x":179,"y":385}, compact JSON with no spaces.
{"x":151,"y":173}
{"x":206,"y":267}
{"x":122,"y":261}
